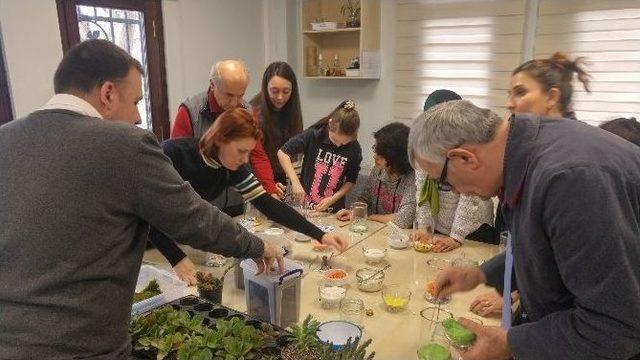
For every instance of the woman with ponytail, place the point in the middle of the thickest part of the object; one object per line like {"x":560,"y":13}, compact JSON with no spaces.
{"x":544,"y":86}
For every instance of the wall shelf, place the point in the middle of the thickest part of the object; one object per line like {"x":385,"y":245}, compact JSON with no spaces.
{"x":347,"y":43}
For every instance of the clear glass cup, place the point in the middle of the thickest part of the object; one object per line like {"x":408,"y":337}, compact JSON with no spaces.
{"x":423,"y":230}
{"x":432,"y":332}
{"x":359,"y":218}
{"x":251,"y":217}
{"x":352,"y":310}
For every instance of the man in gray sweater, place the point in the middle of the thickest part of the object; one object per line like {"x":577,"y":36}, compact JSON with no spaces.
{"x":571,"y":195}
{"x":78,"y":194}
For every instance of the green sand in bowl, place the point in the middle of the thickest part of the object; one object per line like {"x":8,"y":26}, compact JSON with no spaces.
{"x":457,"y":333}
{"x":433,"y":351}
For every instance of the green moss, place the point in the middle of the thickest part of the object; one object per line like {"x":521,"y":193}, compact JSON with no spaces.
{"x":457,"y":333}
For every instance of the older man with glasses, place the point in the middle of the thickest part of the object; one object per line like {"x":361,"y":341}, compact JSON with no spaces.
{"x":571,"y":202}
{"x":455,"y":217}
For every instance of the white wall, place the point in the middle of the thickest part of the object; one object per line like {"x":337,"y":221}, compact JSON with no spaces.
{"x":197,"y":33}
{"x":32,"y":45}
{"x":200,"y":32}
{"x":374,"y":98}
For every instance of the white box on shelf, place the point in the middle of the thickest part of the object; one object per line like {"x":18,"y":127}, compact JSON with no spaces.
{"x":327,"y":25}
{"x":172,"y":288}
{"x":353,"y":72}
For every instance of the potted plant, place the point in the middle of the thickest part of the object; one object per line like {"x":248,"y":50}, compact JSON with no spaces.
{"x":306,"y":345}
{"x":351,"y":10}
{"x":209,"y":287}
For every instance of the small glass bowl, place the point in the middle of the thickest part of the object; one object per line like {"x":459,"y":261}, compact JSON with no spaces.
{"x":396,"y":297}
{"x":367,"y":281}
{"x":330,"y":295}
{"x":374,"y":255}
{"x":428,"y":294}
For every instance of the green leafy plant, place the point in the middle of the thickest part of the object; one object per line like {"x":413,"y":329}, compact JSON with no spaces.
{"x":306,"y":345}
{"x":169,"y":333}
{"x":351,"y":10}
{"x":305,"y":335}
{"x":350,"y":351}
{"x":152,"y":289}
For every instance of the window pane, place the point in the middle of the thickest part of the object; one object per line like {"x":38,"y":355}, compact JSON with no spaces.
{"x":117,"y":13}
{"x":85,"y":10}
{"x":120,"y":36}
{"x":90,"y":30}
{"x":103,"y":12}
{"x":133,"y":15}
{"x":124,"y":28}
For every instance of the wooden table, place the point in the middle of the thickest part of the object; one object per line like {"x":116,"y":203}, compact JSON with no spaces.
{"x":395,"y":335}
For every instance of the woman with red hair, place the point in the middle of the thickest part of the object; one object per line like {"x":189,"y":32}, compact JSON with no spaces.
{"x":219,"y":160}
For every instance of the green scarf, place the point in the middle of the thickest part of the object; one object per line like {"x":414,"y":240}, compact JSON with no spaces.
{"x":430,"y":193}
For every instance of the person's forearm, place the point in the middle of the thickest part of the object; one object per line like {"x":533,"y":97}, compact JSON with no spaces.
{"x":382,"y":218}
{"x":287,"y":166}
{"x":167,"y":247}
{"x":344,"y":189}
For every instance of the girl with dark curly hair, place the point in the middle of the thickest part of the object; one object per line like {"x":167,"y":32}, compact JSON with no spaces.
{"x":391,"y":180}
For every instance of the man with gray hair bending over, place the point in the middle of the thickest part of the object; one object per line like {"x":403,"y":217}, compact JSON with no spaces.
{"x":572,"y":206}
{"x":228,"y":81}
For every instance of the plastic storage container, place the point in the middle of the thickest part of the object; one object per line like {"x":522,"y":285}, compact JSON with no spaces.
{"x":273,"y":297}
{"x":172,"y":288}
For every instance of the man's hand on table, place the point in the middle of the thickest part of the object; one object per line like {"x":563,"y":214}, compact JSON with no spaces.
{"x":271,"y":252}
{"x":344,"y":215}
{"x":487,"y":304}
{"x":455,"y":279}
{"x":185,"y":269}
{"x":491,"y":342}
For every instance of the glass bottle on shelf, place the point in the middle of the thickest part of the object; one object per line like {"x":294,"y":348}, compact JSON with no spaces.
{"x":335,"y":67}
{"x":321,"y":71}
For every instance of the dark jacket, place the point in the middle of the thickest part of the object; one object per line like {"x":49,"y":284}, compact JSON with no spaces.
{"x":77,"y":194}
{"x":572,"y":204}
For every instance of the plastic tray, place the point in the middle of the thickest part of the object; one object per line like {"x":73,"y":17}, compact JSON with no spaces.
{"x":172,"y":288}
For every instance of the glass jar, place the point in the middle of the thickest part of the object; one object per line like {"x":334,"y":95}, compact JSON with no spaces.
{"x":358,"y":218}
{"x":352,"y":310}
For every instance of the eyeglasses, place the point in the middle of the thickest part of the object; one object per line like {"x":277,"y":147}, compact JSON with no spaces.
{"x":443,"y":183}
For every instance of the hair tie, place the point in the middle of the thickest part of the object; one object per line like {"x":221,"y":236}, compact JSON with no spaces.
{"x":349,"y":105}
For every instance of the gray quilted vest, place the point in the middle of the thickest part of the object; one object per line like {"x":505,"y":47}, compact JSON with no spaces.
{"x":199,"y":113}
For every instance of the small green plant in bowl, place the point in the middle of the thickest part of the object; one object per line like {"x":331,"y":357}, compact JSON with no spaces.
{"x":209,"y":287}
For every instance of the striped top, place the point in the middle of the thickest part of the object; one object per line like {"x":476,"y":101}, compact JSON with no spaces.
{"x":206,"y":175}
{"x":242,"y":179}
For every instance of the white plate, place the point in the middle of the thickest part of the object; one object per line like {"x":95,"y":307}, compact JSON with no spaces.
{"x":398,"y":244}
{"x":300,"y":237}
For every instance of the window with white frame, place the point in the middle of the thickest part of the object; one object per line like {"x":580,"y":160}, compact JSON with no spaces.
{"x":468,"y":46}
{"x":471,"y":47}
{"x":607,"y":34}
